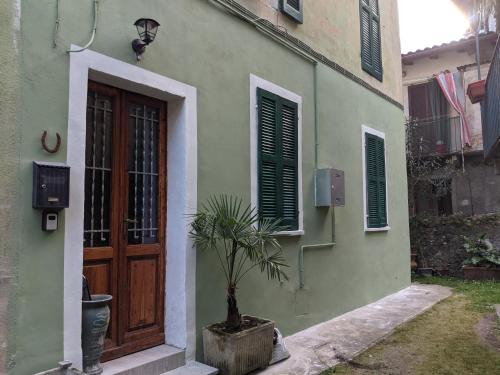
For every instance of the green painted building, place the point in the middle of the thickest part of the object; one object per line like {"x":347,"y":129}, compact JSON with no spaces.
{"x":224,"y":86}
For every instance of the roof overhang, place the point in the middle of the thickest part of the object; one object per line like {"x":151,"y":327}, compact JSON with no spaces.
{"x":462,"y":45}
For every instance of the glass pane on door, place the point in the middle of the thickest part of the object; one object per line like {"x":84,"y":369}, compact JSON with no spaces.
{"x":98,"y":170}
{"x":143,"y":167}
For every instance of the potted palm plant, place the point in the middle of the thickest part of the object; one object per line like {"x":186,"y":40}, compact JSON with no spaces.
{"x":242,"y":242}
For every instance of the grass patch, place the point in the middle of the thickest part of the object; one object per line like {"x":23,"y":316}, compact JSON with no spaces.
{"x":482,"y":295}
{"x":441,"y":341}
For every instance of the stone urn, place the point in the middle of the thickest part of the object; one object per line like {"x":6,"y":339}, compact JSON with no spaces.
{"x":95,"y":321}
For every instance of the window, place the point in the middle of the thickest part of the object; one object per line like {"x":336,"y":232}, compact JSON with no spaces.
{"x":434,"y":128}
{"x":277,"y":155}
{"x":293,"y":9}
{"x":375,"y":180}
{"x":371,"y":50}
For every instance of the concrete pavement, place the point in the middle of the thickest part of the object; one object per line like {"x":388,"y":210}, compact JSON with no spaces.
{"x":321,"y":347}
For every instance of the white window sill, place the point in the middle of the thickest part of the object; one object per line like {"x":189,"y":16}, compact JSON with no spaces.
{"x":290,"y":233}
{"x":383,"y":229}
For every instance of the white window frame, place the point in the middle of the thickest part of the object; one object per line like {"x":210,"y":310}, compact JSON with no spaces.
{"x":294,"y":14}
{"x":255,"y":83}
{"x":367,"y":130}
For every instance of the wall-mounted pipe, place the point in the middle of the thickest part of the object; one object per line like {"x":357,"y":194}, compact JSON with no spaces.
{"x":312,"y":247}
{"x":478,"y":56}
{"x":316,"y":117}
{"x":316,"y":163}
{"x":56,"y":26}
{"x":94,"y":30}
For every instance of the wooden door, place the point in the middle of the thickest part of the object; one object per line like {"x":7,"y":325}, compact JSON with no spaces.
{"x":125,"y":213}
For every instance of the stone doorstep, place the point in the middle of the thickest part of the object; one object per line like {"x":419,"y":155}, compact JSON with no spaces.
{"x":154,"y":361}
{"x":193,"y":368}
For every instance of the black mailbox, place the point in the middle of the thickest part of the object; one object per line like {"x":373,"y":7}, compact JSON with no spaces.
{"x":50,"y":185}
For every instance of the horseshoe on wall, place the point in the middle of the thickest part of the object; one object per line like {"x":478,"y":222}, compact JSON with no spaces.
{"x":47,"y":148}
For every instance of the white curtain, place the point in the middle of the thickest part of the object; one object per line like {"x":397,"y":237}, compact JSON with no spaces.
{"x":452,"y":88}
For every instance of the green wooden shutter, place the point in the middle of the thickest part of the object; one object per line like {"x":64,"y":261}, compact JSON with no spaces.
{"x":371,"y":50}
{"x":376,"y":48}
{"x":366,"y":48}
{"x":268,"y":155}
{"x":375,"y":182}
{"x":289,"y":172}
{"x":278,"y":161}
{"x":382,"y":191}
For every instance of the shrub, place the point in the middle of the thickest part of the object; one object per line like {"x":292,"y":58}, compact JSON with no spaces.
{"x":481,"y":252}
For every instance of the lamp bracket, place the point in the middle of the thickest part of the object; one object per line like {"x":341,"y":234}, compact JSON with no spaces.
{"x":139,"y":48}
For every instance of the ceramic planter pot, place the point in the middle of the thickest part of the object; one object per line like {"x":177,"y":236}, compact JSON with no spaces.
{"x":476,"y":91}
{"x":481,"y":273}
{"x":241,"y":352}
{"x":95,"y":320}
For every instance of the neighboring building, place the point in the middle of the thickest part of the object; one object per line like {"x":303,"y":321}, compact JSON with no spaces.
{"x":490,"y":107}
{"x":488,"y":18}
{"x":149,"y":141}
{"x":475,"y":188}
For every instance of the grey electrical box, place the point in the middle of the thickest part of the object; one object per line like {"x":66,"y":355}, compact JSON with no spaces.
{"x":50,"y":185}
{"x":329,"y":187}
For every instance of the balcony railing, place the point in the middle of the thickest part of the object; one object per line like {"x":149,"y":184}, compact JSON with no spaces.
{"x":490,"y":108}
{"x":434,"y":136}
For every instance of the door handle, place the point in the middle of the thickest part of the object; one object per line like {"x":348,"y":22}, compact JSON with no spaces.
{"x":130,"y":221}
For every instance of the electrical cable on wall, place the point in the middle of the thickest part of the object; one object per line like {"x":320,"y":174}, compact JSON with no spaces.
{"x":56,"y":27}
{"x":94,"y":30}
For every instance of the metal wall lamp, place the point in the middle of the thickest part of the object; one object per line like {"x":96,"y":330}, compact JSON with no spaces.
{"x":146,"y":28}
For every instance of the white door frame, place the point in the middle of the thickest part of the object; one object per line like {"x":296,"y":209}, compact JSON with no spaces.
{"x":180,"y":323}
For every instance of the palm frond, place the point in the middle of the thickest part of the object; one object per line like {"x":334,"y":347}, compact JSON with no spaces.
{"x":225,"y":222}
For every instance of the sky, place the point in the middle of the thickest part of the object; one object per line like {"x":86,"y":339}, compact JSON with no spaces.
{"x":425,"y":23}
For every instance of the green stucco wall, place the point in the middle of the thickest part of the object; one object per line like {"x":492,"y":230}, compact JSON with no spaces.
{"x":202,"y":46}
{"x":10,"y":45}
{"x":35,"y":340}
{"x":362,"y":267}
